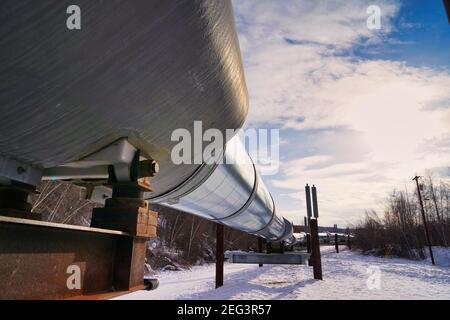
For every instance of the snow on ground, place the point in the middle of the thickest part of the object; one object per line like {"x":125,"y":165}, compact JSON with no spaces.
{"x":441,"y":256}
{"x":347,"y":275}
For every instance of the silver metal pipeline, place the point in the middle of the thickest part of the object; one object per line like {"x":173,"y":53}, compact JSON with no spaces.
{"x":156,"y":67}
{"x":232,"y":193}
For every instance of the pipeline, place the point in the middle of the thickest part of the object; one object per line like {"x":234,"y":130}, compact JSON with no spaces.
{"x":116,"y":79}
{"x":232,"y":193}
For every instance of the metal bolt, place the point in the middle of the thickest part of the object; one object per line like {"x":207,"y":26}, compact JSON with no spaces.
{"x":155,"y":166}
{"x":148,"y":168}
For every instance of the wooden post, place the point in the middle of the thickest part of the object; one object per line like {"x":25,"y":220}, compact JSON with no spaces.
{"x":336,"y":243}
{"x":260,"y":247}
{"x":315,"y":248}
{"x":219,"y":255}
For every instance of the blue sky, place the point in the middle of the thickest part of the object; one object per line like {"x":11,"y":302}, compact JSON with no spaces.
{"x":422,"y":34}
{"x":347,"y":99}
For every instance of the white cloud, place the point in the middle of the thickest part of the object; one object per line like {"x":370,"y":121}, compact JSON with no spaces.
{"x":386,"y":120}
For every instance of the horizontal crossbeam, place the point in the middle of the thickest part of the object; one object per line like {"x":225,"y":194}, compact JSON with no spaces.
{"x":267,"y":258}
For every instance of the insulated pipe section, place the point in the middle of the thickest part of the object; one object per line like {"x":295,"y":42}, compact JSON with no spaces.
{"x":231,"y":193}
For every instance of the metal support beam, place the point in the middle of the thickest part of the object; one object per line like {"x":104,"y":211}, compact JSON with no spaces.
{"x":308,"y":201}
{"x":42,"y":260}
{"x":260,"y":247}
{"x":219,"y":255}
{"x":128,"y":214}
{"x":127,"y":211}
{"x":315,"y":248}
{"x":308,"y":242}
{"x":15,"y":171}
{"x":314,"y":202}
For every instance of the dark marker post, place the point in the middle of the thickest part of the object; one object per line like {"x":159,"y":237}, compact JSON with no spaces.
{"x":316,"y":260}
{"x":260,"y":247}
{"x":314,"y":202}
{"x":308,"y":201}
{"x":336,"y":242}
{"x":219,"y":255}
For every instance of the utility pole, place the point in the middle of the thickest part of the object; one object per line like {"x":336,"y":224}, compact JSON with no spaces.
{"x":416,"y":178}
{"x":447,"y":8}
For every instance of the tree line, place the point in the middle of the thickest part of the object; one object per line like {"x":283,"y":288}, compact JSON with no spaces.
{"x":399,"y":231}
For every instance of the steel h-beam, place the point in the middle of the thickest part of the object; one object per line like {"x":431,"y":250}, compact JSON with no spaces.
{"x":127,"y":211}
{"x":268,"y":258}
{"x":43,"y":260}
{"x":260,"y":247}
{"x":308,"y":242}
{"x":314,"y":201}
{"x":315,"y":246}
{"x":219,"y":255}
{"x":308,"y":201}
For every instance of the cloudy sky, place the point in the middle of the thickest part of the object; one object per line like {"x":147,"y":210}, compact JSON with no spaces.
{"x":360,"y":111}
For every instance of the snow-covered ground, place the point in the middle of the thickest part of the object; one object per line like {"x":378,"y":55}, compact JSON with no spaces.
{"x":347,"y":275}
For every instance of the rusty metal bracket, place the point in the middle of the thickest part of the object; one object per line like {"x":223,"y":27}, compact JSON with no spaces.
{"x":42,"y":260}
{"x":38,"y":260}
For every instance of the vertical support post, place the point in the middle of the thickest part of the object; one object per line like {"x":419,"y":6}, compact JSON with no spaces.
{"x":128,"y":211}
{"x":308,"y":249}
{"x":308,"y":220}
{"x":314,"y":202}
{"x":308,"y":202}
{"x":424,"y":219}
{"x":219,"y":255}
{"x":315,"y":246}
{"x":308,"y":242}
{"x":260,"y":247}
{"x":306,"y":224}
{"x":336,"y":243}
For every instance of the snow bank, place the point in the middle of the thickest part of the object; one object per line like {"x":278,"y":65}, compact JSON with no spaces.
{"x":441,"y":256}
{"x":347,"y":275}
